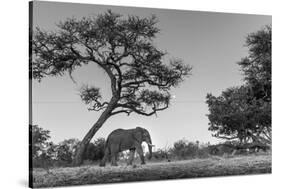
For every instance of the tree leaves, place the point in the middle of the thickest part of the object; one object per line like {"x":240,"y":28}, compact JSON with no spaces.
{"x":123,"y":48}
{"x":244,"y":112}
{"x":92,"y":97}
{"x":257,"y":65}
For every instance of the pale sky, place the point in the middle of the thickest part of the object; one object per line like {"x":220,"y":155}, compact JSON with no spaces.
{"x":211,"y":42}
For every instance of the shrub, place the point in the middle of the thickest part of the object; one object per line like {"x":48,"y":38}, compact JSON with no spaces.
{"x":183,"y":149}
{"x":95,"y":150}
{"x":160,"y":154}
{"x":42,"y":151}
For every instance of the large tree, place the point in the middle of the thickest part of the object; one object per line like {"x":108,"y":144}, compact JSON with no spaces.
{"x":123,"y":47}
{"x":235,"y":114}
{"x":244,"y":112}
{"x":256,"y":67}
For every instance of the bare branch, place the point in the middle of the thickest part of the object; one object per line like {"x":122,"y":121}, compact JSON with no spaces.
{"x":128,"y":112}
{"x":224,"y":137}
{"x":141,"y":112}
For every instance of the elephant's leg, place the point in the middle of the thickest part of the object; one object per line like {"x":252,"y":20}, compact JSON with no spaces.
{"x":114,"y":159}
{"x":105,"y":157}
{"x":140,"y":152}
{"x":132,"y":155}
{"x":113,"y":154}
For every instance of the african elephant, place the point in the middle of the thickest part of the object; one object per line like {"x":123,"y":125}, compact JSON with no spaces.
{"x":131,"y":139}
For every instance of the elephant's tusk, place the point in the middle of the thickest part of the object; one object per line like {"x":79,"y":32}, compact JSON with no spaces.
{"x":150,"y":144}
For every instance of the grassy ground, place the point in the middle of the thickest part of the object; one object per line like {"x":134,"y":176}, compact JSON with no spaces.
{"x":214,"y":166}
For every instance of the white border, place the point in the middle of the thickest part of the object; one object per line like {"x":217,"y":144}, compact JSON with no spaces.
{"x":14,"y":92}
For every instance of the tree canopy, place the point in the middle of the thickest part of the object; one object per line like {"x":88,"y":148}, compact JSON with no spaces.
{"x":123,"y":47}
{"x":244,"y":112}
{"x":256,"y":67}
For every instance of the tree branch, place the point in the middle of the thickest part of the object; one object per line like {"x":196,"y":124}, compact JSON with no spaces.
{"x":119,"y":75}
{"x":128,"y":112}
{"x":224,"y":137}
{"x":149,"y":81}
{"x":98,"y":106}
{"x":133,"y":108}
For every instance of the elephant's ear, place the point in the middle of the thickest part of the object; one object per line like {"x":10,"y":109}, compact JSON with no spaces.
{"x":138,"y":134}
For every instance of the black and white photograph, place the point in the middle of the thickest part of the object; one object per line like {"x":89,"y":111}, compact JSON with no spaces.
{"x":126,"y":94}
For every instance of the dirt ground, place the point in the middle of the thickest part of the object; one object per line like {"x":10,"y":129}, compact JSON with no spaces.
{"x":213,"y":166}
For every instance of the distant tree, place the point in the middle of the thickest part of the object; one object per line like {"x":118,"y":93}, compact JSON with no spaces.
{"x":43,"y":151}
{"x":244,"y":112}
{"x":65,"y":151}
{"x":161,"y":154}
{"x":39,"y":141}
{"x":184,"y":149}
{"x":47,"y":157}
{"x":123,"y":48}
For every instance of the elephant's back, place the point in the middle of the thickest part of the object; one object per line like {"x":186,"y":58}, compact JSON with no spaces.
{"x":116,"y":132}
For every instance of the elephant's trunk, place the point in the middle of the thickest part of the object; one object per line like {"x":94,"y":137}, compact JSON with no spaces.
{"x":150,"y":151}
{"x":149,"y":144}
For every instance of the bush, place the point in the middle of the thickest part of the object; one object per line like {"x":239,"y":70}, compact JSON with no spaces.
{"x":95,"y":150}
{"x":46,"y":154}
{"x":185,"y":150}
{"x":160,"y":154}
{"x":229,"y":147}
{"x":65,"y":151}
{"x":42,"y":151}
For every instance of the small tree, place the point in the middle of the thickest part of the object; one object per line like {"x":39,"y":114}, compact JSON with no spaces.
{"x":123,"y":48}
{"x":184,"y":149}
{"x":42,"y":150}
{"x":95,"y":150}
{"x":39,"y":140}
{"x":244,"y":112}
{"x":65,"y":151}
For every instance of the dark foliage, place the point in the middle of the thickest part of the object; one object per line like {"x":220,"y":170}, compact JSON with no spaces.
{"x":40,"y":139}
{"x":181,"y":149}
{"x":184,"y":149}
{"x":244,"y":112}
{"x":256,"y":67}
{"x":65,"y":152}
{"x":95,"y":150}
{"x":46,"y":154}
{"x":42,"y":148}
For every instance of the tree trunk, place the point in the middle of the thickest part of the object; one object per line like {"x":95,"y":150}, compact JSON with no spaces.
{"x":78,"y":159}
